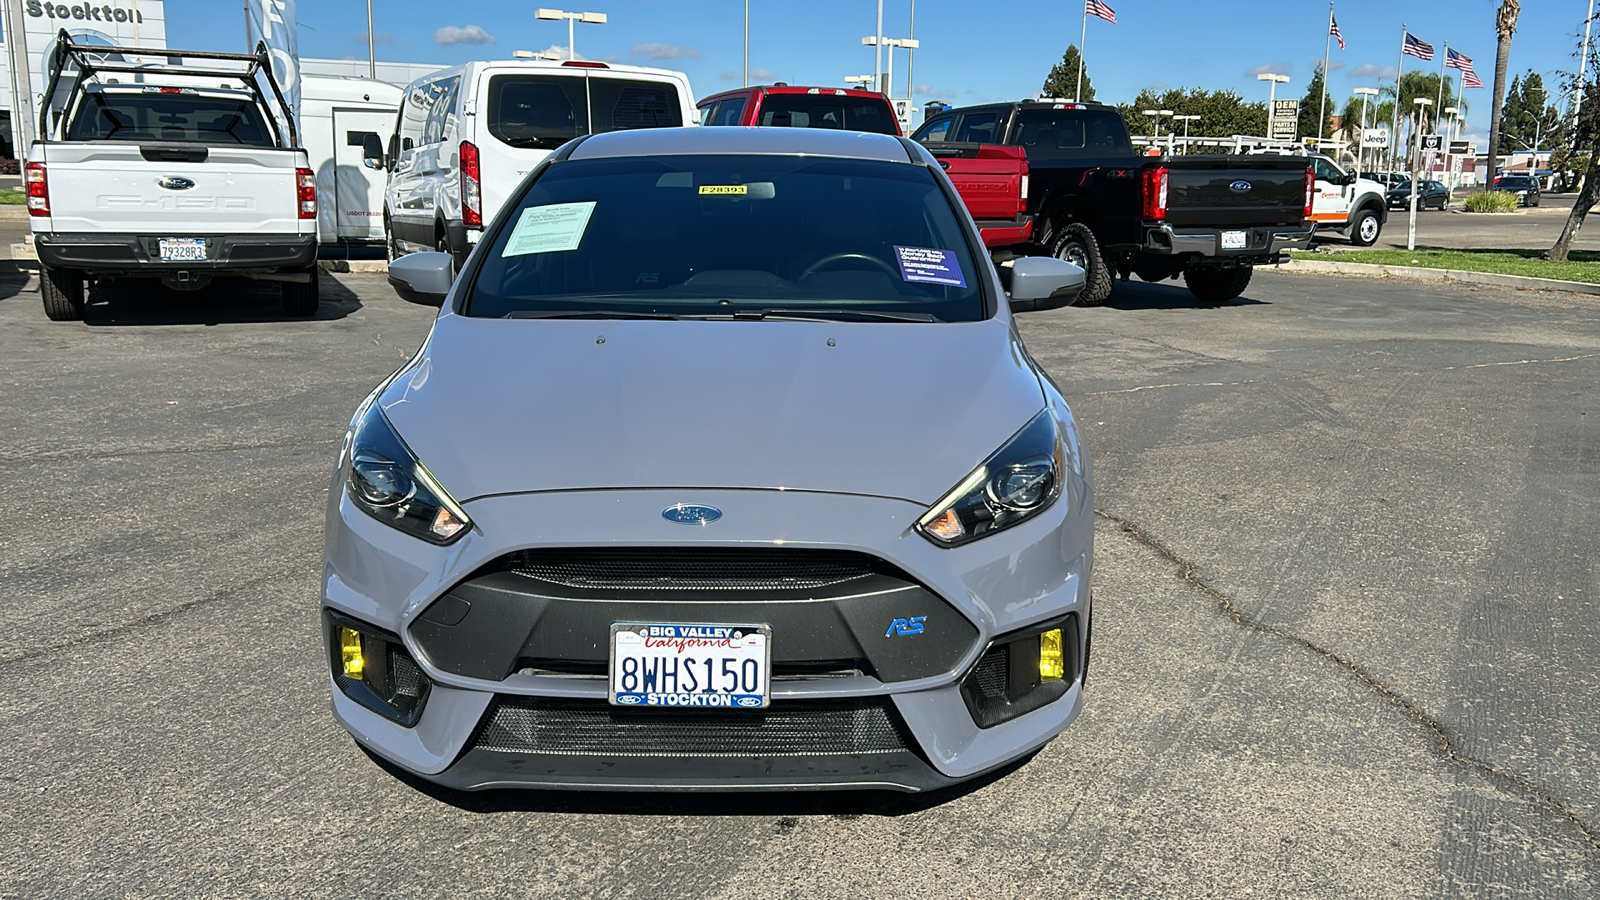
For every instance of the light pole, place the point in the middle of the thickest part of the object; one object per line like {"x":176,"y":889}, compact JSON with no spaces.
{"x":1361,"y":148}
{"x":1449,"y":138}
{"x":1155,"y":118}
{"x":593,"y":18}
{"x":1422,"y":104}
{"x":746,"y":43}
{"x":372,"y":51}
{"x":1186,"y":120}
{"x":862,"y":80}
{"x":1272,"y":96}
{"x":888,"y":79}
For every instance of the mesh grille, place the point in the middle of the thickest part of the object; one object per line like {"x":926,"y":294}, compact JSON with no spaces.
{"x":991,"y":674}
{"x":594,"y":728}
{"x":696,"y":569}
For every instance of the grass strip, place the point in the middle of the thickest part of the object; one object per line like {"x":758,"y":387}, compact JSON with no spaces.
{"x":1580,"y":267}
{"x":12,"y":198}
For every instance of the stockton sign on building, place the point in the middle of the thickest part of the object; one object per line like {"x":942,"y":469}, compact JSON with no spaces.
{"x":125,"y":11}
{"x":125,"y":23}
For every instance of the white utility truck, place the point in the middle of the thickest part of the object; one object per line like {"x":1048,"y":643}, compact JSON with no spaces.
{"x":178,"y":171}
{"x":337,"y":115}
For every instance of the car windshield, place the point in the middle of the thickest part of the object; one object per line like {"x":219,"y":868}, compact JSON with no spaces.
{"x":170,"y":114}
{"x":1401,"y":186}
{"x":731,"y":236}
{"x":1519,"y":182}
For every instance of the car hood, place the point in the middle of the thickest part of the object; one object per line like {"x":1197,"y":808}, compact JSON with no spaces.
{"x":901,"y":410}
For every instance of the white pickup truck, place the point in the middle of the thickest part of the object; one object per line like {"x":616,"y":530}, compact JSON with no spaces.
{"x":178,"y":171}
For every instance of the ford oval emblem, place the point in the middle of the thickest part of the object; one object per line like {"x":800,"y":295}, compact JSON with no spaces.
{"x":175,"y":183}
{"x":691,"y":514}
{"x":630,"y":699}
{"x":749,"y":701}
{"x":1240,"y":187}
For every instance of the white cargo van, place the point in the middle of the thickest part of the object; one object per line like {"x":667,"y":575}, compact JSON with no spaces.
{"x":467,"y":135}
{"x":336,"y":117}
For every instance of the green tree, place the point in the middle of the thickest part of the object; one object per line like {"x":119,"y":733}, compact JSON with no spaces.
{"x":1413,"y":85}
{"x":1529,"y":119}
{"x":1223,"y":114}
{"x":1311,"y":103}
{"x":1063,"y":78}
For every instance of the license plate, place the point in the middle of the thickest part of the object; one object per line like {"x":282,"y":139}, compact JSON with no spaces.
{"x":1235,"y":240}
{"x":183,"y":250}
{"x":716,"y":666}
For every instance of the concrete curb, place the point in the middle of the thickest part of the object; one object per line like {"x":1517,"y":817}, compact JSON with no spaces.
{"x":1522,"y":282}
{"x":24,"y":257}
{"x":13,"y":212}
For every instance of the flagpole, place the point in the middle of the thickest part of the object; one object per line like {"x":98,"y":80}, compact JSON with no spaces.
{"x":1083,"y":41}
{"x":1394,"y":137}
{"x":1327,"y":50}
{"x":1442,"y":57}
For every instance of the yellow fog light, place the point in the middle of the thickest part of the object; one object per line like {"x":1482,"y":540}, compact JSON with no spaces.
{"x":1052,"y":665}
{"x":350,"y":651}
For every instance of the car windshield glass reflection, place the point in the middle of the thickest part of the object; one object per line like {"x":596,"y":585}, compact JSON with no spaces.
{"x":761,"y":237}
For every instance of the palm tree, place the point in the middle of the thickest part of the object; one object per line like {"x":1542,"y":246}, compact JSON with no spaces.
{"x":1505,"y":22}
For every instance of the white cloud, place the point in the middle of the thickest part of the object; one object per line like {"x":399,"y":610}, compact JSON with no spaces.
{"x":664,"y":51}
{"x":1336,"y":66}
{"x":929,"y":92}
{"x":1371,"y":70}
{"x":1277,"y":68}
{"x":756,"y":76}
{"x":466,"y":34}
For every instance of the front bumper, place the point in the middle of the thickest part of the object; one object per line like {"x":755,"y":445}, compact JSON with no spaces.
{"x":889,"y":715}
{"x":1265,"y":243}
{"x":105,"y":254}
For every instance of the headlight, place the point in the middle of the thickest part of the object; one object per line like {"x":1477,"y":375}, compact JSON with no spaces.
{"x":392,"y":485}
{"x":1017,"y":483}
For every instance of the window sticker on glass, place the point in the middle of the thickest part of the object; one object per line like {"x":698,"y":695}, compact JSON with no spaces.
{"x":732,"y":190}
{"x":549,"y":229}
{"x":930,"y":266}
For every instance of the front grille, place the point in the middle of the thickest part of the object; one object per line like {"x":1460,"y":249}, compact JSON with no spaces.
{"x":693,"y":568}
{"x":518,"y":724}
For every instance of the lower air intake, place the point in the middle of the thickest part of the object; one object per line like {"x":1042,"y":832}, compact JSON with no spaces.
{"x":595,"y":728}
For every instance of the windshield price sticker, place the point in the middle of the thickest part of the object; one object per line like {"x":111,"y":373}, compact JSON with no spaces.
{"x":717,"y":666}
{"x":730,"y":190}
{"x":549,"y":229}
{"x":929,"y":266}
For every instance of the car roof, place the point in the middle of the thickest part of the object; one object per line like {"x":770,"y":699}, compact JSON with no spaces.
{"x":735,"y":140}
{"x":796,"y":89}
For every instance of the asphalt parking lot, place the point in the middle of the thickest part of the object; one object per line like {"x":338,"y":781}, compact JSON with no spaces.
{"x":1531,"y":228}
{"x":1346,"y":640}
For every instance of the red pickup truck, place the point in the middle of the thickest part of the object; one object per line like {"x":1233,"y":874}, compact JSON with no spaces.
{"x":993,"y":181}
{"x":791,"y":106}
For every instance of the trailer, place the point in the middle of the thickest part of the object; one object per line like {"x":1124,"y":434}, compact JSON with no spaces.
{"x":336,"y":116}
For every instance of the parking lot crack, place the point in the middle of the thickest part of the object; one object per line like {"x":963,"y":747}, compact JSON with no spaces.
{"x":1446,"y":742}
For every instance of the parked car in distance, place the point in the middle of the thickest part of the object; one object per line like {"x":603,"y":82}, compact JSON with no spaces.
{"x":696,"y":479}
{"x":466,"y":135}
{"x":1097,"y":203}
{"x":792,"y":106}
{"x":1429,"y":194}
{"x":1526,"y":187}
{"x":171,"y":172}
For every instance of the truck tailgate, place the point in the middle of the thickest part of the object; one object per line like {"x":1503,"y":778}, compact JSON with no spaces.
{"x":172,"y":188}
{"x":1220,"y":191}
{"x":990,"y":178}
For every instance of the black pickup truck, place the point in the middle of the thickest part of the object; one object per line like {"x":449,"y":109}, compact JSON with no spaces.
{"x":1096,"y":202}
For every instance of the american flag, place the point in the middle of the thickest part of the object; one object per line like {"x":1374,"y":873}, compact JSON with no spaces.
{"x":1096,"y":8}
{"x":1414,"y":47}
{"x":1454,"y":60}
{"x":1333,"y":29}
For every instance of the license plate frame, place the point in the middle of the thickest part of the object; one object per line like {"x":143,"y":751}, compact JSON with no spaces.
{"x":1235,"y":240}
{"x":182,"y":249}
{"x":691,"y":646}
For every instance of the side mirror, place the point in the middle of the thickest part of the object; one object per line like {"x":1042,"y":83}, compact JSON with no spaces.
{"x":372,"y":151}
{"x":423,"y":277}
{"x":1044,"y":282}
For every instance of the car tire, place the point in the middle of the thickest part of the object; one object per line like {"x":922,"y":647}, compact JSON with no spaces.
{"x":1076,"y":244}
{"x":62,"y":292}
{"x":391,"y":245}
{"x":1365,"y":228}
{"x":1217,"y":285}
{"x":301,"y":298}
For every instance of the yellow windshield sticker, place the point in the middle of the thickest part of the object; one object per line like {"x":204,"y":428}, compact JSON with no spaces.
{"x":735,"y":190}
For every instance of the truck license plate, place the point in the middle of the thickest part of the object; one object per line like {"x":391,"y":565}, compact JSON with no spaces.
{"x":1235,"y":240}
{"x":183,"y":250}
{"x":719,"y":666}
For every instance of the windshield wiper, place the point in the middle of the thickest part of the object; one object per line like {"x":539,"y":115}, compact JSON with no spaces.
{"x":800,"y":312}
{"x":588,"y":314}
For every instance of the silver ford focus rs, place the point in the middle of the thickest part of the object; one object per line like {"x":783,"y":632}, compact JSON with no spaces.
{"x":723,"y":467}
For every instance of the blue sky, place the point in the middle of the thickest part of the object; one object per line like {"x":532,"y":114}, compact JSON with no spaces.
{"x":971,"y":51}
